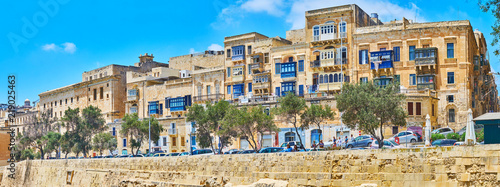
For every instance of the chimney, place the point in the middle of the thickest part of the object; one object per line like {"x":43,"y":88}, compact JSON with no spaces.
{"x":374,"y":18}
{"x":146,"y":58}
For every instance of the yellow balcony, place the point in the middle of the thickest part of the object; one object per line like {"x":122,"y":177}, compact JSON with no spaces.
{"x":330,"y":86}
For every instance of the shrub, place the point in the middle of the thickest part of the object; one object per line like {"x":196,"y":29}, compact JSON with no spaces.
{"x":437,"y":137}
{"x":462,"y":137}
{"x":454,"y":136}
{"x":480,"y":136}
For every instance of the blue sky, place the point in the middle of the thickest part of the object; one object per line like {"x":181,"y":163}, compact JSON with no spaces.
{"x":49,"y":46}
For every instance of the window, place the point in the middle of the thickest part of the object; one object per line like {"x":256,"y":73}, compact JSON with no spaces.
{"x":174,"y":141}
{"x":451,"y":115}
{"x":107,"y":85}
{"x":278,"y":91}
{"x":451,"y":77}
{"x":249,"y":69}
{"x":413,"y":79}
{"x":249,"y":87}
{"x":193,"y":140}
{"x":342,"y":29}
{"x":228,"y":53}
{"x":66,"y":102}
{"x":238,"y":71}
{"x":287,"y":87}
{"x":124,"y":142}
{"x":60,"y":102}
{"x":363,"y":56}
{"x":71,"y":100}
{"x":208,"y":90}
{"x":217,"y":88}
{"x":418,"y":108}
{"x":238,"y":90}
{"x":410,"y":108}
{"x":363,"y":79}
{"x":432,"y":109}
{"x":44,"y":106}
{"x":228,"y":72}
{"x":277,"y":69}
{"x":164,"y":141}
{"x":101,"y":94}
{"x":395,"y":129}
{"x":249,"y":49}
{"x":266,"y":57}
{"x":450,"y":51}
{"x":301,"y":90}
{"x":316,"y":33}
{"x":412,"y":53}
{"x":333,"y":79}
{"x":289,"y":136}
{"x":114,"y":131}
{"x":288,"y":70}
{"x":153,"y":107}
{"x":397,"y":53}
{"x":301,"y":65}
{"x":183,"y":143}
{"x":77,"y":98}
{"x":450,"y":98}
{"x":95,"y":94}
{"x":229,"y":89}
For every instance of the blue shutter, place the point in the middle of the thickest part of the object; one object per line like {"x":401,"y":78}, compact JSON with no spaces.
{"x":249,"y":70}
{"x":161,"y":109}
{"x":277,"y":69}
{"x":124,"y":142}
{"x":114,"y":131}
{"x":301,"y":65}
{"x":278,"y":91}
{"x":229,"y":89}
{"x":361,"y":56}
{"x":396,"y":54}
{"x":228,"y":72}
{"x":167,"y":102}
{"x":301,"y":90}
{"x":249,"y":87}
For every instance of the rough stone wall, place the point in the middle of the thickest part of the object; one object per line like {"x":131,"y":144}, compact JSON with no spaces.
{"x":446,"y":166}
{"x":186,"y":62}
{"x":296,"y":36}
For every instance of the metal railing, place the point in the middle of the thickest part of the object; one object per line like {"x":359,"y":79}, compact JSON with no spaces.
{"x":425,"y":61}
{"x":423,"y":86}
{"x":172,"y":131}
{"x":211,"y":97}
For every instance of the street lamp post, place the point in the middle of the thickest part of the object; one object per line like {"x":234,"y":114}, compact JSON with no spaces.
{"x":150,"y":134}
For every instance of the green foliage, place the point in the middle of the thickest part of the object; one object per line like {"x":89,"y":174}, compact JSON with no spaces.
{"x":368,"y":107}
{"x":103,"y":141}
{"x":290,"y":109}
{"x":51,"y":141}
{"x":454,"y":136}
{"x":494,"y":6}
{"x":37,"y":126}
{"x":27,"y":154}
{"x":138,"y":131}
{"x":247,"y":123}
{"x":316,"y":114}
{"x":480,"y":136}
{"x":437,"y":137}
{"x":462,"y":137}
{"x":208,"y":122}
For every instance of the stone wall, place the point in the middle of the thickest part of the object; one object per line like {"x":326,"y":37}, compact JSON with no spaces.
{"x":447,"y":166}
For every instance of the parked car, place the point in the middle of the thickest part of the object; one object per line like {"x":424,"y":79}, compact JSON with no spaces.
{"x":477,"y":128}
{"x":444,"y":131}
{"x":159,"y":154}
{"x":231,"y":151}
{"x":458,"y":143}
{"x":292,"y":143}
{"x":172,"y":154}
{"x":97,"y":157}
{"x":108,"y":156}
{"x":122,"y":156}
{"x":443,"y":142}
{"x":416,"y":129}
{"x":184,"y":154}
{"x":203,"y":152}
{"x":246,"y":152}
{"x":81,"y":157}
{"x":387,"y":143}
{"x":405,"y":137}
{"x":271,"y":149}
{"x":137,"y":155}
{"x":71,"y":157}
{"x":360,"y":141}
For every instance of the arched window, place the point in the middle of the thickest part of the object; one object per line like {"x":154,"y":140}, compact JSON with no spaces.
{"x":326,"y":79}
{"x":336,"y":78}
{"x":344,"y":52}
{"x":289,"y":136}
{"x":340,"y":78}
{"x":321,"y":79}
{"x":331,"y":77}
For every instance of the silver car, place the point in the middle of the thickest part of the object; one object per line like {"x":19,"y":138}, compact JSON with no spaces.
{"x":405,"y":137}
{"x":444,"y":131}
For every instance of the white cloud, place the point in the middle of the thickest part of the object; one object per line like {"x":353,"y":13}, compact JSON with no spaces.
{"x":215,"y":47}
{"x":386,"y":10}
{"x":192,"y":51}
{"x":293,"y":11}
{"x":67,"y":47}
{"x":49,"y":47}
{"x":271,"y":7}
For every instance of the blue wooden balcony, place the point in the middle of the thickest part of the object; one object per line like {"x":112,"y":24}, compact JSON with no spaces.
{"x":385,"y":57}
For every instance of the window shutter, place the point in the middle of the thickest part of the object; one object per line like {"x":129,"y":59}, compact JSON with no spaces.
{"x":301,"y":65}
{"x":360,"y":56}
{"x":161,"y":109}
{"x":277,"y":69}
{"x":167,"y":102}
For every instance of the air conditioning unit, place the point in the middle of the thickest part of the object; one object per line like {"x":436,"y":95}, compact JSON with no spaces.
{"x":185,"y":73}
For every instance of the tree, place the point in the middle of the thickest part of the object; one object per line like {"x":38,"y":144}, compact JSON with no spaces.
{"x":67,"y":142}
{"x":208,"y":122}
{"x":291,"y":108}
{"x":369,"y":107}
{"x":103,"y":141}
{"x":38,"y":126}
{"x":138,"y":131}
{"x":92,"y":123}
{"x":315,"y":115}
{"x":27,"y":154}
{"x":247,"y":122}
{"x":50,"y":142}
{"x":494,"y":6}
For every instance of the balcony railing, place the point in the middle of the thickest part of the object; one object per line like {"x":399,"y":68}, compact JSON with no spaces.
{"x":315,"y":64}
{"x":172,"y":131}
{"x":237,"y":57}
{"x":330,"y":86}
{"x":425,"y":61}
{"x":423,"y":86}
{"x":261,"y":85}
{"x":256,"y":66}
{"x":211,"y":97}
{"x":262,"y":99}
{"x":177,"y":108}
{"x":237,"y":78}
{"x":132,"y":98}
